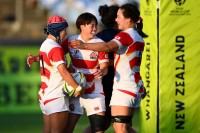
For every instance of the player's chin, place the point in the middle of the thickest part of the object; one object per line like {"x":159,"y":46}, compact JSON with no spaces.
{"x":119,"y":27}
{"x":92,"y":36}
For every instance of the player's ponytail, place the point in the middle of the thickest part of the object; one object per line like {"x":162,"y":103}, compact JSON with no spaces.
{"x":46,"y":31}
{"x":139,"y":27}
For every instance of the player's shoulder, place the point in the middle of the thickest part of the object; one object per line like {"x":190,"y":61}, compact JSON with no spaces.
{"x":122,"y":36}
{"x":126,"y":34}
{"x":48,"y":44}
{"x":73,"y":37}
{"x":134,"y":35}
{"x":96,"y":39}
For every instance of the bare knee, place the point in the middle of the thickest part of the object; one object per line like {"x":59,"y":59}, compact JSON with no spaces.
{"x":121,"y":127}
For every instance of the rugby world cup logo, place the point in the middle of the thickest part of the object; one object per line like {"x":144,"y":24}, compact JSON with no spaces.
{"x":148,"y":2}
{"x":179,"y":2}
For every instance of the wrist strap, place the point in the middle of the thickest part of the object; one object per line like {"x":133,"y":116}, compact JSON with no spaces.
{"x":79,"y":88}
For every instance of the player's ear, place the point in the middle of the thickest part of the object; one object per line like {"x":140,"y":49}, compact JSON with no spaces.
{"x":82,"y":28}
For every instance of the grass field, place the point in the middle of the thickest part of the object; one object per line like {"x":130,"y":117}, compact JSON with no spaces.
{"x":32,"y":123}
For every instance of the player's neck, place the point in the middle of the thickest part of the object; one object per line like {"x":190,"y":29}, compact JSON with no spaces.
{"x":51,"y":37}
{"x":85,"y":38}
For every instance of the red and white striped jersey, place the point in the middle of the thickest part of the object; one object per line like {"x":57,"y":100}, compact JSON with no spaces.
{"x":85,"y":61}
{"x":127,"y":60}
{"x":51,"y":55}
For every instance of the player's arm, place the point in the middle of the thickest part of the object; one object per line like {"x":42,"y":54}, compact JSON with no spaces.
{"x":31,"y":59}
{"x":69,"y":79}
{"x":104,"y":68}
{"x":101,"y":46}
{"x":36,"y":58}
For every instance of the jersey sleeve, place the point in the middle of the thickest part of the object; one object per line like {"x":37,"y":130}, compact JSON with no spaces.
{"x":103,"y":57}
{"x":57,"y":56}
{"x":123,"y":39}
{"x":64,"y":45}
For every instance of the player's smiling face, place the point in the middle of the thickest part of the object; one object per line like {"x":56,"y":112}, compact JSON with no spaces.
{"x":89,"y":30}
{"x":121,"y":21}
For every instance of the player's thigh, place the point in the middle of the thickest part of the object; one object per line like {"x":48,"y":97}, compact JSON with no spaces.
{"x":122,"y":103}
{"x":46,"y":127}
{"x":72,"y":121}
{"x":57,"y":105}
{"x":58,"y":122}
{"x":122,"y":110}
{"x":73,"y":118}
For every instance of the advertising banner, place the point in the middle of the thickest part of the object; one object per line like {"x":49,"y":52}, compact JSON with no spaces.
{"x":179,"y":63}
{"x":149,"y":67}
{"x":19,"y":84}
{"x":178,"y":53}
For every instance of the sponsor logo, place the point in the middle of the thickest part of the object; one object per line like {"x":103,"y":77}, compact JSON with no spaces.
{"x":106,"y":56}
{"x":180,"y":10}
{"x":148,"y":2}
{"x":179,"y":2}
{"x":93,"y":55}
{"x":117,"y":120}
{"x":148,"y":9}
{"x":75,"y":53}
{"x":96,"y":108}
{"x":117,"y":37}
{"x":71,"y":107}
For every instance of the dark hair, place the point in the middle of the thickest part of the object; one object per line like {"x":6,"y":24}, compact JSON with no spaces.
{"x":108,"y":14}
{"x":139,"y":27}
{"x":131,"y":11}
{"x":85,"y":18}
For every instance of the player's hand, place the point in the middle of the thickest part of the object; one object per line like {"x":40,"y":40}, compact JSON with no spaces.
{"x":79,"y":92}
{"x":77,"y":44}
{"x":30,"y":60}
{"x":98,"y":73}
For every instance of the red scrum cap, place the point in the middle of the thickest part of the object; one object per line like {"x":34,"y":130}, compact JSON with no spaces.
{"x":55,"y":25}
{"x":56,"y":19}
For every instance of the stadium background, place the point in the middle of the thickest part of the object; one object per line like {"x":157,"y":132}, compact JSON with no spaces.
{"x":170,"y":67}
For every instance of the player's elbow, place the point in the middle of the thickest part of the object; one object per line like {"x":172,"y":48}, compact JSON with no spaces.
{"x":108,"y":48}
{"x":111,"y":46}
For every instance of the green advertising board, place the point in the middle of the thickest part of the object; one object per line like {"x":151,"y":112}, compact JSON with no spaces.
{"x":19,"y":84}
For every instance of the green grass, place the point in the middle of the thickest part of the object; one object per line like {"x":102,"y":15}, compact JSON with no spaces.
{"x":32,"y":123}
